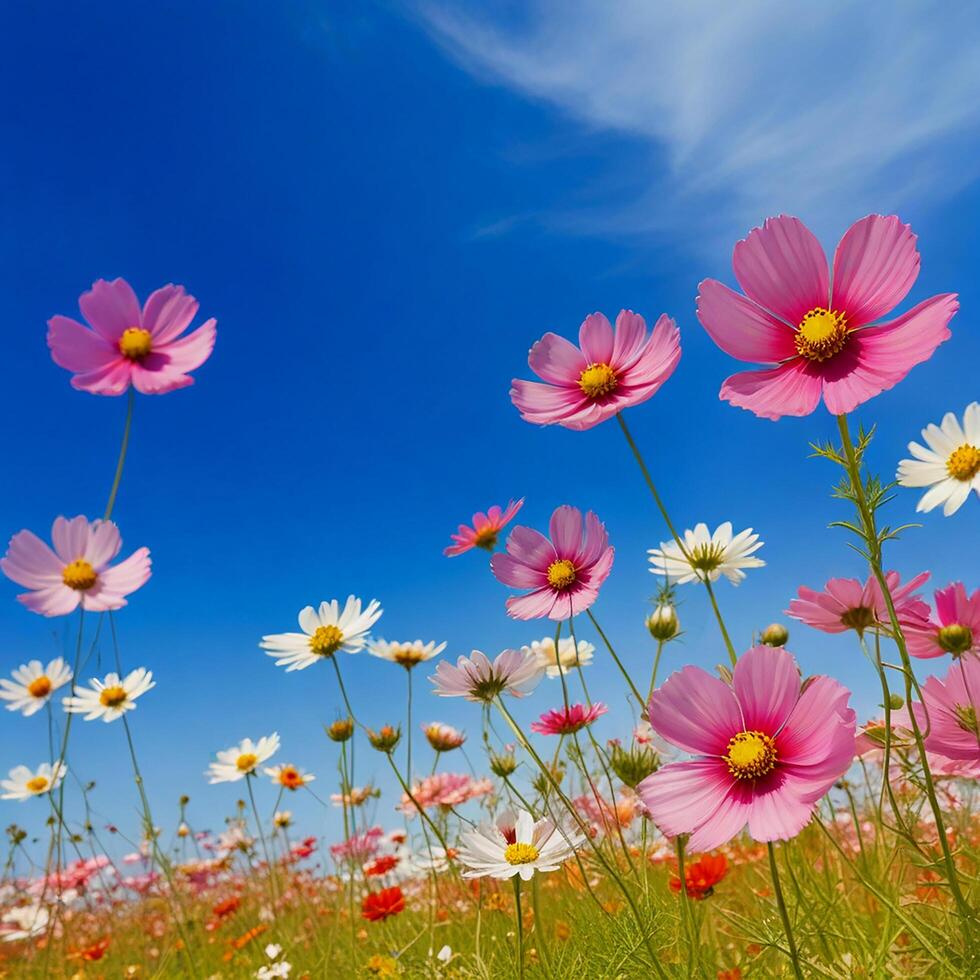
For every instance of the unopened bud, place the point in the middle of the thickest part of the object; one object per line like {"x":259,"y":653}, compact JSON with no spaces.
{"x":663,"y":623}
{"x":895,"y":702}
{"x":956,"y":639}
{"x":502,"y":765}
{"x":385,"y":738}
{"x":340,"y":730}
{"x":633,"y":765}
{"x":775,"y":635}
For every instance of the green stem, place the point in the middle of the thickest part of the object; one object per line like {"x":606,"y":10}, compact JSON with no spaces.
{"x":265,"y":847}
{"x":656,"y":667}
{"x":122,"y":455}
{"x":784,"y":912}
{"x":520,"y":926}
{"x":408,"y":730}
{"x":619,"y":663}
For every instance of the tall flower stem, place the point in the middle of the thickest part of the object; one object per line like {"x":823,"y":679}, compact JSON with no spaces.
{"x":520,"y":926}
{"x":680,"y":845}
{"x":418,"y":806}
{"x":408,"y":730}
{"x":784,"y":912}
{"x":273,"y":884}
{"x":619,"y":663}
{"x":656,"y":667}
{"x":123,"y":449}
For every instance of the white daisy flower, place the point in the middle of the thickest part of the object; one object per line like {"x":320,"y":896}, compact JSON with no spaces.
{"x":950,"y":466}
{"x":243,"y":759}
{"x":406,"y":654}
{"x":109,"y":699}
{"x":325,"y":632}
{"x":516,"y":846}
{"x":289,"y":776}
{"x":33,"y":684}
{"x":544,"y":652}
{"x":708,"y":556}
{"x":26,"y":921}
{"x":22,"y":783}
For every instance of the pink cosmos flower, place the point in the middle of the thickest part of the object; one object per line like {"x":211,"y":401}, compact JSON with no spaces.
{"x":846,"y":604}
{"x":477,"y":678}
{"x":444,"y":789}
{"x":954,"y":629}
{"x":77,"y":571}
{"x":814,"y":328}
{"x":486,"y":527}
{"x":359,"y":847}
{"x":769,"y":749}
{"x":950,"y":708}
{"x":128,"y":345}
{"x":613,"y":370}
{"x":563,"y":574}
{"x":565,"y":721}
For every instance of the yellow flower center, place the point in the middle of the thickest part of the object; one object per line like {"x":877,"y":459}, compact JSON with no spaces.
{"x":520,"y":853}
{"x":487,"y":538}
{"x":561,"y":574}
{"x":37,"y":785}
{"x":598,"y":380}
{"x":79,"y":574}
{"x":246,"y":762}
{"x":964,"y":463}
{"x":955,"y":638}
{"x":135,"y":343}
{"x":112,"y":697}
{"x":751,"y":755}
{"x":40,"y":687}
{"x":822,"y":334}
{"x":326,"y":641}
{"x":408,"y":657}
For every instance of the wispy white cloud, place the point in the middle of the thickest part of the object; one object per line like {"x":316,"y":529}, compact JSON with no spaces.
{"x":827,"y":110}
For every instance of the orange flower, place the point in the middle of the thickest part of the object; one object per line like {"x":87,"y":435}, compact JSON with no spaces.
{"x":94,"y":952}
{"x":702,"y":876}
{"x":246,"y":937}
{"x":380,"y":905}
{"x":228,"y":907}
{"x":382,"y":865}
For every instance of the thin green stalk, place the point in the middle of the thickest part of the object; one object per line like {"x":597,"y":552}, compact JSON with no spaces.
{"x":408,"y":730}
{"x":265,"y":847}
{"x":656,"y":667}
{"x":520,"y":926}
{"x":784,"y":912}
{"x":122,"y":455}
{"x":619,"y":663}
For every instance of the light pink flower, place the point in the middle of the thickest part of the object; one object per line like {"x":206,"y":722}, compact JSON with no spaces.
{"x":77,"y":571}
{"x":813,"y":327}
{"x":609,"y":371}
{"x":564,"y":574}
{"x":445,"y":789}
{"x":565,"y":721}
{"x":768,"y":749}
{"x":950,"y":710}
{"x":955,"y":627}
{"x":486,"y":527}
{"x":847,"y":604}
{"x":477,"y":678}
{"x":127,"y":345}
{"x":359,"y":847}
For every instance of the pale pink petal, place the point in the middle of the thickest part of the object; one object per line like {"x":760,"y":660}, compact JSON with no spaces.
{"x":543,"y":404}
{"x":128,"y":575}
{"x":556,"y":360}
{"x":113,"y":379}
{"x":103,"y":544}
{"x":566,"y":531}
{"x":517,"y":574}
{"x":155,"y":377}
{"x":740,"y":327}
{"x":776,"y":813}
{"x":695,"y":711}
{"x":790,"y":389}
{"x":56,"y":600}
{"x":192,"y":351}
{"x":809,"y":731}
{"x":654,"y":365}
{"x":596,"y":339}
{"x":168,"y":312}
{"x":592,"y":576}
{"x":534,"y":605}
{"x":681,"y":794}
{"x":581,"y":597}
{"x":111,"y":308}
{"x":630,"y":336}
{"x":767,"y":685}
{"x":30,"y":562}
{"x":726,"y":820}
{"x":594,"y":544}
{"x":70,"y":538}
{"x":530,"y":547}
{"x":76,"y":348}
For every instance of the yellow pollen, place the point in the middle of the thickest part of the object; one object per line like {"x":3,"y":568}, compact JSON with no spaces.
{"x":246,"y":762}
{"x":79,"y":574}
{"x":408,"y":657}
{"x":561,"y":574}
{"x":112,"y":697}
{"x":822,"y":334}
{"x":37,"y":785}
{"x":964,"y":463}
{"x":520,"y":853}
{"x":326,"y":641}
{"x":598,"y":380}
{"x":751,"y":755}
{"x":40,"y":687}
{"x":135,"y":343}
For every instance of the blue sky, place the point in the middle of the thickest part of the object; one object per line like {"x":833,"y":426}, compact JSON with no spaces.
{"x":384,"y":206}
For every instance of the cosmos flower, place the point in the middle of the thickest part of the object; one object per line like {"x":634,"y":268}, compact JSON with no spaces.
{"x":325,"y":632}
{"x":709,"y":556}
{"x":33,"y":684}
{"x":22,"y":783}
{"x":950,"y":710}
{"x":768,"y":749}
{"x":381,"y":866}
{"x":24,"y":922}
{"x":815,"y":328}
{"x":477,"y":678}
{"x":358,"y":796}
{"x":570,"y":654}
{"x":566,"y":721}
{"x":949,"y":463}
{"x":485,"y":530}
{"x":609,"y":371}
{"x":243,"y":759}
{"x":77,"y":571}
{"x":701,"y":876}
{"x":516,"y":845}
{"x":847,"y":604}
{"x":289,"y":776}
{"x":443,"y":738}
{"x":407,"y":654}
{"x":564,"y":574}
{"x":955,"y":627}
{"x":444,"y":789}
{"x":112,"y":697}
{"x":129,"y":346}
{"x":377,"y":906}
{"x":359,"y":847}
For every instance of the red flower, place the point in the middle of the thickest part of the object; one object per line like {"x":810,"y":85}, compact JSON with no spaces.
{"x":702,"y":876}
{"x":382,"y":865}
{"x":380,"y":905}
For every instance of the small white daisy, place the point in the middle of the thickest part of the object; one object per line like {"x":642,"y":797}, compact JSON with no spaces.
{"x":109,"y":699}
{"x":243,"y":759}
{"x":325,"y":632}
{"x":516,"y":846}
{"x":289,"y":776}
{"x":22,"y":783}
{"x":33,"y":684}
{"x":709,"y":556}
{"x":950,"y":466}
{"x":406,"y":654}
{"x":544,"y":651}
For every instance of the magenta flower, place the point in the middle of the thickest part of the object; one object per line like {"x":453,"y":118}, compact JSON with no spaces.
{"x":768,"y":748}
{"x":954,"y":629}
{"x":129,"y":346}
{"x":77,"y":571}
{"x":564,"y":574}
{"x":486,"y":527}
{"x":609,"y":371}
{"x":477,"y":678}
{"x":950,"y":709}
{"x":815,"y":328}
{"x":846,"y":604}
{"x":566,"y":721}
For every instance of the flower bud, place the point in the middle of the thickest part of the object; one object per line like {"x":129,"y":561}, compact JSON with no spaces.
{"x":775,"y":635}
{"x":633,"y":765}
{"x":443,"y":738}
{"x":385,"y":738}
{"x":340,"y":730}
{"x":956,"y":639}
{"x":502,"y":765}
{"x":895,"y":702}
{"x":663,"y":623}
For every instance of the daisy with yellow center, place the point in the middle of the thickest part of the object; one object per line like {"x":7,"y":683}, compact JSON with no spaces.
{"x":33,"y":684}
{"x":110,"y":698}
{"x":406,"y":654}
{"x":289,"y":776}
{"x":23,"y":783}
{"x":243,"y":759}
{"x":706,"y":556}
